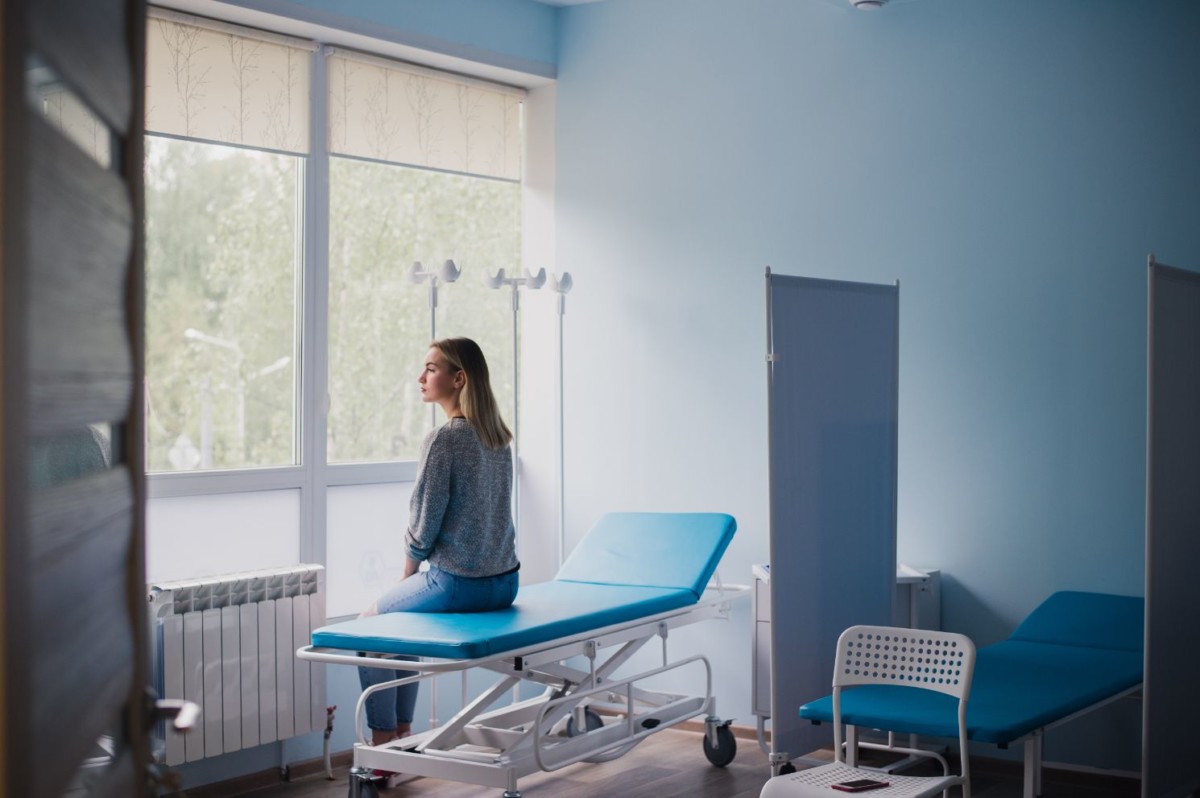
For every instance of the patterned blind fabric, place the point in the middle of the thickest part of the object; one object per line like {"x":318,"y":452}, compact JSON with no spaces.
{"x":218,"y":82}
{"x":388,"y":111}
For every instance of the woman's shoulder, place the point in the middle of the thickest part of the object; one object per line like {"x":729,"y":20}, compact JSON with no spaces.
{"x":456,"y":430}
{"x":444,"y":435}
{"x":463,"y":437}
{"x":449,"y":442}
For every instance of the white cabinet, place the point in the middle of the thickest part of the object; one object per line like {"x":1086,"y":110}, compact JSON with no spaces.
{"x":918,"y":605}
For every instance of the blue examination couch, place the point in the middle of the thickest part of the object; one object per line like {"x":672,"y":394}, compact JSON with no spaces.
{"x":628,"y":567}
{"x":1074,"y":653}
{"x":632,"y":579}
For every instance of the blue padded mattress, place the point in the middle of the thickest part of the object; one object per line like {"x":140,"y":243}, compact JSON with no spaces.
{"x":628,"y":566}
{"x":1074,"y":650}
{"x":542,"y":612}
{"x":1018,"y":687}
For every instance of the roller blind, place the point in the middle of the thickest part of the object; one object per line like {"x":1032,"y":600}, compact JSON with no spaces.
{"x":224,"y":83}
{"x":390,"y":111}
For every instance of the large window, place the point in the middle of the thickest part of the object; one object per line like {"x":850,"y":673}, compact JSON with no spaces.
{"x":382,"y":219}
{"x":426,"y":169}
{"x":227,"y":120}
{"x":221,"y":280}
{"x":284,"y":333}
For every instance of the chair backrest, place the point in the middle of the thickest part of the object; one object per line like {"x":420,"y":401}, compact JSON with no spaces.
{"x":941,"y":661}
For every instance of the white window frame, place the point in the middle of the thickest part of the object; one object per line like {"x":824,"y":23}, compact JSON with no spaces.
{"x":313,"y":476}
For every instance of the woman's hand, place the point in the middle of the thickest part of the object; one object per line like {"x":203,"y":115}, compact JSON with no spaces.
{"x":411,"y":566}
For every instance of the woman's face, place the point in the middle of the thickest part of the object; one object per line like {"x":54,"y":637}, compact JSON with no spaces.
{"x":439,"y":381}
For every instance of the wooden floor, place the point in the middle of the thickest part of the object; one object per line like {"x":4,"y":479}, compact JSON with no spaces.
{"x":672,"y":763}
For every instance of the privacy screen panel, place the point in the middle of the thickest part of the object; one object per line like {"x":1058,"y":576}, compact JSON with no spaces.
{"x":833,"y":410}
{"x":1172,"y":544}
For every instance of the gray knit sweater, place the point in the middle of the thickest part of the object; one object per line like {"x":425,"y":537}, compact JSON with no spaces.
{"x":460,"y":516}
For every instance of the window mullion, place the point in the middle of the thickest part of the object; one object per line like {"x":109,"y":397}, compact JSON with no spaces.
{"x":315,"y":321}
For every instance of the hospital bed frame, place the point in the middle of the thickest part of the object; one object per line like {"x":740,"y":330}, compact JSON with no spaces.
{"x":496,"y":748}
{"x":565,"y":724}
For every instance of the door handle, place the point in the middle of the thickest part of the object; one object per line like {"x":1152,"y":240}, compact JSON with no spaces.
{"x":181,"y":713}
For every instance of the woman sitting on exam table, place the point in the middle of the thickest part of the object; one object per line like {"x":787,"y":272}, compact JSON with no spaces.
{"x":460,"y":518}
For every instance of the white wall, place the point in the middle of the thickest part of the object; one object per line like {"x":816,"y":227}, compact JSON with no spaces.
{"x":194,"y":536}
{"x":539,"y":473}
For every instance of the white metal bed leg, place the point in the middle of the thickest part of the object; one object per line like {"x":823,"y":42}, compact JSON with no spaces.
{"x":1041,"y":752}
{"x":433,"y":713}
{"x":852,"y":746}
{"x":1030,"y":787}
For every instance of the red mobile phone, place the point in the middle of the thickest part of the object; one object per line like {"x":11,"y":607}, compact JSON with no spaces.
{"x":859,"y":785}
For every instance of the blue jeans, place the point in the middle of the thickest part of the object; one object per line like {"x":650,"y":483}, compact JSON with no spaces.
{"x":428,"y":591}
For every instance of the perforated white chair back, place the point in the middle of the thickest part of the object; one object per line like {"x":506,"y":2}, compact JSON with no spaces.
{"x":866,"y":655}
{"x":941,"y":661}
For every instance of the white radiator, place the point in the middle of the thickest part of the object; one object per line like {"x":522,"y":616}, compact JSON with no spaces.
{"x":228,"y":644}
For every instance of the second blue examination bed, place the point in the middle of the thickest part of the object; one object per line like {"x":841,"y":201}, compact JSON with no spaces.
{"x":1074,"y":652}
{"x":633,"y":578}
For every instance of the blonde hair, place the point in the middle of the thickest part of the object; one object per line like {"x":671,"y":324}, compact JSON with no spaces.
{"x":477,"y":401}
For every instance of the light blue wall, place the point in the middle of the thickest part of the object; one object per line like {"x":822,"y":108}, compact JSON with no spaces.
{"x":1011,"y":162}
